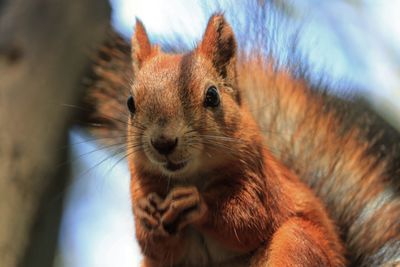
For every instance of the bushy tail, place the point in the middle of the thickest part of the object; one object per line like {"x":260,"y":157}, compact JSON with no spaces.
{"x":108,"y":84}
{"x":350,"y":168}
{"x":347,"y":154}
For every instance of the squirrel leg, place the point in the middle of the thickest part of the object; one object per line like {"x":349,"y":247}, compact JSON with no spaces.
{"x":299,"y":242}
{"x":163,"y":220}
{"x":159,"y":247}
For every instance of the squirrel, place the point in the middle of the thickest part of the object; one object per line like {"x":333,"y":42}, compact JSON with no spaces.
{"x":205,"y":189}
{"x":236,"y":163}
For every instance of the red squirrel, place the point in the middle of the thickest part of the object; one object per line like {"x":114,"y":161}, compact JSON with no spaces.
{"x":206,"y":191}
{"x":344,"y":153}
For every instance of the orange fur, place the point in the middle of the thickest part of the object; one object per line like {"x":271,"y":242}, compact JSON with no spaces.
{"x":242,"y":202}
{"x":336,"y":152}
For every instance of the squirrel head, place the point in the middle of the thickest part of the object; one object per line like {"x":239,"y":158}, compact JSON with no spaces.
{"x":185,"y":108}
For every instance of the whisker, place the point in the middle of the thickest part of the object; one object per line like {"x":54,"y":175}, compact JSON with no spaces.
{"x":88,"y":153}
{"x":93,"y":140}
{"x":83,"y":174}
{"x":119,"y":151}
{"x":87,"y":110}
{"x":124,"y":156}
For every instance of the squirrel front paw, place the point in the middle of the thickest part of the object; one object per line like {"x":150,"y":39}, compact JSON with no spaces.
{"x":182,"y":206}
{"x":147,"y":211}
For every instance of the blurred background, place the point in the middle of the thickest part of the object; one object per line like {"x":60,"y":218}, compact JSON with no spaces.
{"x":88,"y":221}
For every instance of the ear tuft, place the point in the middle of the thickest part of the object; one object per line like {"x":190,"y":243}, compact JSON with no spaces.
{"x":141,"y":46}
{"x":219,"y":44}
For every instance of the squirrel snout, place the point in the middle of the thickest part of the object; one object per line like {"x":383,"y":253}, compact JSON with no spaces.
{"x":164,"y":145}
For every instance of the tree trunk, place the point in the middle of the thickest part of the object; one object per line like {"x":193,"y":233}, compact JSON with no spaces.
{"x":44,"y":50}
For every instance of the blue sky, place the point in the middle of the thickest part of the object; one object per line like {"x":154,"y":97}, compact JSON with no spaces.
{"x":354,"y":43}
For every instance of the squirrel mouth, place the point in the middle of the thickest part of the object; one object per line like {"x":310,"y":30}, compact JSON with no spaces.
{"x":175,"y":167}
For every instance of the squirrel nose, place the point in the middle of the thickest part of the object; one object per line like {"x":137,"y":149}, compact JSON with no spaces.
{"x":164,"y":145}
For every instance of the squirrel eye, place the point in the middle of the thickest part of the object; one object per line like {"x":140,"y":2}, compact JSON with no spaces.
{"x":131,"y":104}
{"x":212,"y":97}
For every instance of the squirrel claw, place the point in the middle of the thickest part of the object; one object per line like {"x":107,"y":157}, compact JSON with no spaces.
{"x":147,"y":211}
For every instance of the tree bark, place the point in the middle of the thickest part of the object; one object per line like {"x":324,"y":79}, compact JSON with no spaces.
{"x":44,"y":50}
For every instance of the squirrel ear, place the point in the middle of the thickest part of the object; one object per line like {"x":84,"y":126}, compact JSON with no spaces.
{"x":219,"y":45}
{"x":141,"y":46}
